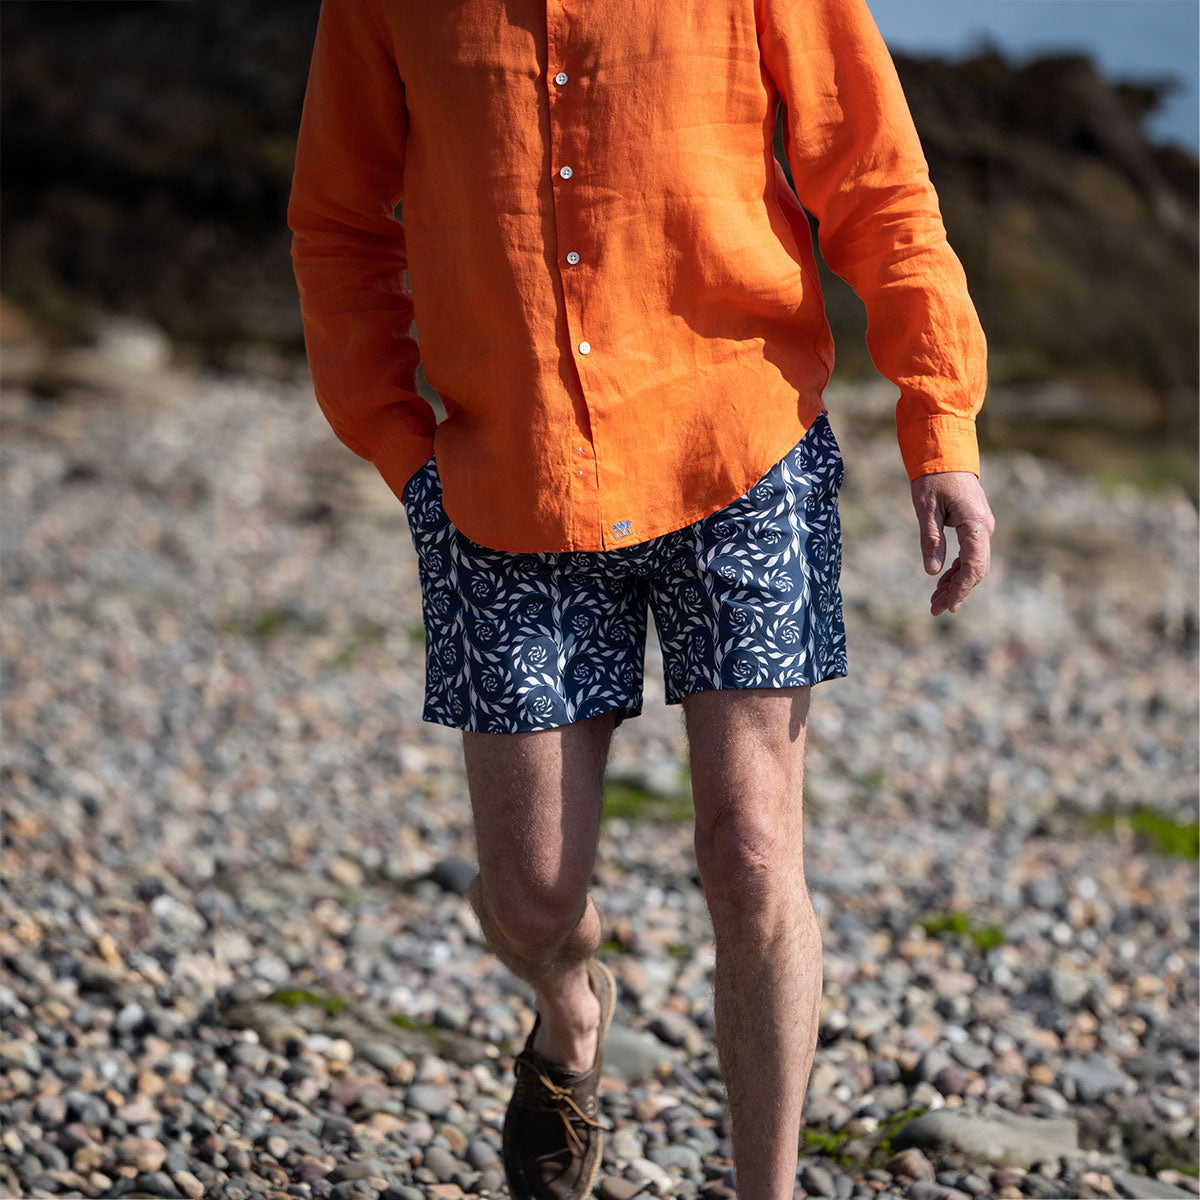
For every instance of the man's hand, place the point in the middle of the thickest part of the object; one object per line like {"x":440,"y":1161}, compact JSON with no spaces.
{"x":953,"y":499}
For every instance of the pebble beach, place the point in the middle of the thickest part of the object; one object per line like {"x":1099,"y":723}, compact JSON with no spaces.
{"x":236,"y":958}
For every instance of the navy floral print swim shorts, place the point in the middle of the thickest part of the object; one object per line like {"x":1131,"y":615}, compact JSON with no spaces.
{"x":746,"y":597}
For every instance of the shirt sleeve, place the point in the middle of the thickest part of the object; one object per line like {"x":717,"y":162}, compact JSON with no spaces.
{"x":858,"y":167}
{"x":348,"y":249}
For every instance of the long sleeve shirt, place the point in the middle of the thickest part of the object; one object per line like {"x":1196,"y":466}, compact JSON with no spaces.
{"x":613,"y":286}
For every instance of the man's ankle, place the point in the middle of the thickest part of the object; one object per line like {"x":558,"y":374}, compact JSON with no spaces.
{"x":570,"y":1024}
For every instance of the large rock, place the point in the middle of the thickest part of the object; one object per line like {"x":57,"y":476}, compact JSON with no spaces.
{"x":1000,"y":1138}
{"x":1139,"y":1187}
{"x":632,"y":1056}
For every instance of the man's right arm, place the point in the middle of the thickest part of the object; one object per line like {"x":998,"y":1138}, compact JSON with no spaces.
{"x":348,"y":249}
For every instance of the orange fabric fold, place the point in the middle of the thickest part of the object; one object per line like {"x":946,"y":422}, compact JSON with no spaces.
{"x":614,"y":288}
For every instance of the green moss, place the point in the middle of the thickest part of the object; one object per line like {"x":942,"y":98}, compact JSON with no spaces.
{"x":634,"y":803}
{"x":292,"y":997}
{"x":612,"y":946}
{"x":833,"y":1145}
{"x":415,"y":633}
{"x":362,"y":635}
{"x":958,"y":924}
{"x":1167,"y":837}
{"x":830,"y":1145}
{"x":678,"y":950}
{"x":273,"y":619}
{"x":411,"y":1025}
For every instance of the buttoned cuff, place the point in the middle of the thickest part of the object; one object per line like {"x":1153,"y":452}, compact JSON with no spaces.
{"x":942,"y":442}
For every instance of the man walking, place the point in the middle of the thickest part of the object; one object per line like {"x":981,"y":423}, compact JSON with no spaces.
{"x":617,"y":299}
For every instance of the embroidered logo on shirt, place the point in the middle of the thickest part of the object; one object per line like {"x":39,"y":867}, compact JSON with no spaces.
{"x":622,"y":528}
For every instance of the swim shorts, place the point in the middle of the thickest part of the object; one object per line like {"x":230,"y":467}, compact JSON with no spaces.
{"x":746,"y":597}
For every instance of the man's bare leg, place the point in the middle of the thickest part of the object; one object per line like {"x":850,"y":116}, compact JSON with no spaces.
{"x":536,"y":800}
{"x":747,"y":758}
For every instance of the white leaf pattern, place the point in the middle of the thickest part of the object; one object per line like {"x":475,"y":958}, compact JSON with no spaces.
{"x":746,"y":597}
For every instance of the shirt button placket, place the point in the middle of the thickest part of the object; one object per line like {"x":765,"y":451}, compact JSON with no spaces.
{"x":565,"y":171}
{"x":565,"y":167}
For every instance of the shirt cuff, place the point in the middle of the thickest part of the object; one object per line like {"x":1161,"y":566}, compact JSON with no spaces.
{"x":942,"y":442}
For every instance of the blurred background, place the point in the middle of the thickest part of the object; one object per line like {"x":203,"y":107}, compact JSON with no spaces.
{"x":148,"y":151}
{"x":235,"y":857}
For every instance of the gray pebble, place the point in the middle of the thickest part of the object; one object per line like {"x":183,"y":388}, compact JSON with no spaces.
{"x":817,"y":1181}
{"x":482,"y":1154}
{"x":454,"y":875}
{"x":923,"y":1189}
{"x":429,"y":1099}
{"x":633,"y":1056}
{"x":614,"y":1187}
{"x":442,"y":1163}
{"x":355,"y":1170}
{"x":353,"y":1189}
{"x":678,"y":1158}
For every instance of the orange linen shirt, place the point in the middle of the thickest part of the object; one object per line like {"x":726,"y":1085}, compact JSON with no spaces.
{"x":614,"y":288}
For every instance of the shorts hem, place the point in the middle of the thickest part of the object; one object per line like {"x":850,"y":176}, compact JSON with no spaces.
{"x":470,"y":724}
{"x":835,"y":672}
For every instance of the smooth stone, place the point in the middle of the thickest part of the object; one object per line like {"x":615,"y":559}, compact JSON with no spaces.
{"x":482,"y":1154}
{"x":355,"y":1170}
{"x":1092,"y":1079}
{"x":454,"y":875}
{"x":428,"y":1099}
{"x":626,"y":1142}
{"x":923,"y":1189}
{"x":632,"y":1056}
{"x":1000,"y":1139}
{"x":353,"y":1189}
{"x":817,"y":1181}
{"x":383,"y":1055}
{"x":676,"y":1030}
{"x":442,"y":1163}
{"x":613,"y":1187}
{"x":1139,"y":1187}
{"x":911,"y":1162}
{"x":680,"y":1158}
{"x":401,"y":1191}
{"x":156,"y":1183}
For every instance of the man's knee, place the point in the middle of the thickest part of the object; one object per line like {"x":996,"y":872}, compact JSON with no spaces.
{"x":529,"y":914}
{"x":750,"y":857}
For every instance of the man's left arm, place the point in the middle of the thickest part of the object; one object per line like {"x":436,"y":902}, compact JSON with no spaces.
{"x":859,"y":169}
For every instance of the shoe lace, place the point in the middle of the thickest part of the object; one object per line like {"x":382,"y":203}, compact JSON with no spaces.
{"x":563,"y":1103}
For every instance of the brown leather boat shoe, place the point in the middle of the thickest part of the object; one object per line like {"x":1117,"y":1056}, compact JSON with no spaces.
{"x":552,"y":1130}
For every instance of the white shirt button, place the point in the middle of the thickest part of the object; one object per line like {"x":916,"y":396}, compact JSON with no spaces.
{"x":585,"y":347}
{"x":572,"y":258}
{"x":566,"y":172}
{"x":560,"y":78}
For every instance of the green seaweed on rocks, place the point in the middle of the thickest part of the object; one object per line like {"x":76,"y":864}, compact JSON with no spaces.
{"x":632,"y":803}
{"x":958,"y":924}
{"x":876,"y":1147}
{"x":362,"y":635}
{"x":293,"y":997}
{"x":1167,"y":837}
{"x":412,"y":1025}
{"x":829,"y":1145}
{"x":273,"y":619}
